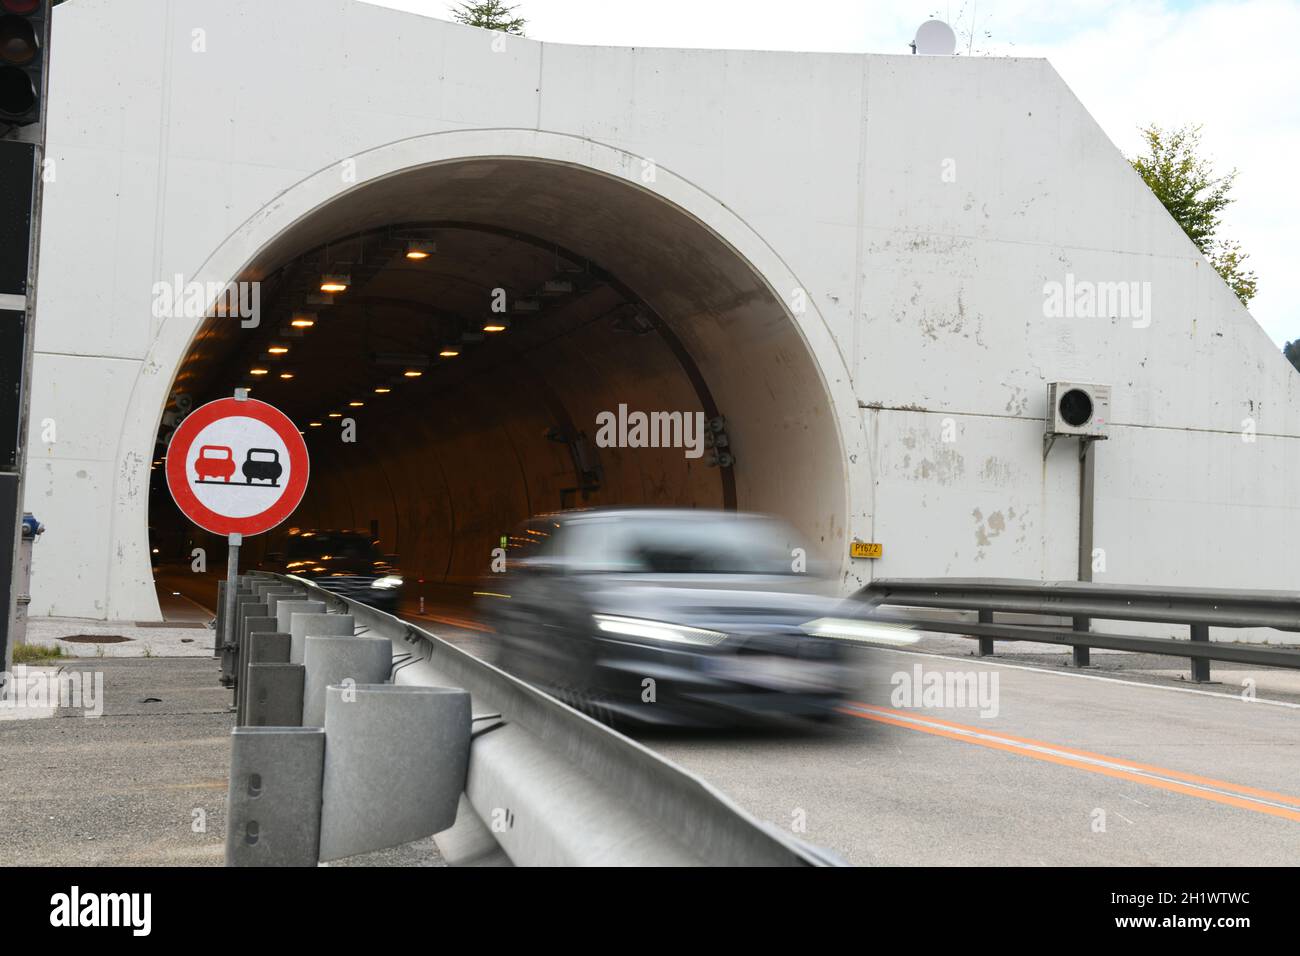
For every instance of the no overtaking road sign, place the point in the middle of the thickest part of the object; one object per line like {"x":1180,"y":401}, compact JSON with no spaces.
{"x":237,"y":466}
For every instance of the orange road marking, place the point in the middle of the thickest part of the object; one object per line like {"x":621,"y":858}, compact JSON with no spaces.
{"x":1205,"y":788}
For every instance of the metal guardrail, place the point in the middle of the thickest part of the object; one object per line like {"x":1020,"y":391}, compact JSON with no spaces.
{"x":547,"y":785}
{"x":1197,"y":608}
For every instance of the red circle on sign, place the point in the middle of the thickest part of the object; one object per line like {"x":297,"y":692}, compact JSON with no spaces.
{"x":178,"y":482}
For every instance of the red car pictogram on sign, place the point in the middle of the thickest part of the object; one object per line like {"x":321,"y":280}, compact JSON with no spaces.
{"x":215,"y":461}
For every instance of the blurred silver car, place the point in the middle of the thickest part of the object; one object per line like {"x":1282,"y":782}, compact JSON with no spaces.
{"x":667,"y":617}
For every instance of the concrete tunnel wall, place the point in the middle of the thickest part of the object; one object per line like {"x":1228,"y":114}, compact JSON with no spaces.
{"x":922,"y":295}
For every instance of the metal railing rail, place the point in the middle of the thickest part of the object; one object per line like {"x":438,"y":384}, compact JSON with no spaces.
{"x":554,"y":787}
{"x":1197,"y":608}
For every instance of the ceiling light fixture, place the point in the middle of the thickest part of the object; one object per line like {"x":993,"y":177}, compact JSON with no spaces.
{"x":336,"y":282}
{"x":420,"y":250}
{"x":303,"y":320}
{"x":412,"y":373}
{"x":355,"y":404}
{"x":278,"y":350}
{"x":496,"y":325}
{"x":449,"y":351}
{"x":258,"y":371}
{"x":286,"y":375}
{"x":382,"y":390}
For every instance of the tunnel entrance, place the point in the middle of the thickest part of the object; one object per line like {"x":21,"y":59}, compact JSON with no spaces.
{"x":496,"y":316}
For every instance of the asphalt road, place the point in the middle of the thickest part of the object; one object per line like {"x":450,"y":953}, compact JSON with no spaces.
{"x":1102,"y":767}
{"x":1117,"y":765}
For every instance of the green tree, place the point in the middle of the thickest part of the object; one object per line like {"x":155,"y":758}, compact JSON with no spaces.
{"x":1186,"y":184}
{"x":490,"y":15}
{"x":1292,"y":352}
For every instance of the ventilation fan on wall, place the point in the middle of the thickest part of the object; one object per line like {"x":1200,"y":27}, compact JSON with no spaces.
{"x":1076,"y":410}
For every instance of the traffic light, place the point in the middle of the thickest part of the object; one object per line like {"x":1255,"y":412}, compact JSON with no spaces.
{"x":23,"y":36}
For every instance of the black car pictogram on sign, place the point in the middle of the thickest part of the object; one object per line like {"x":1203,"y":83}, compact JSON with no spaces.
{"x":262,"y":468}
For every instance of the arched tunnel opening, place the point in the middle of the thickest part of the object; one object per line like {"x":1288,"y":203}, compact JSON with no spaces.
{"x":498,"y":312}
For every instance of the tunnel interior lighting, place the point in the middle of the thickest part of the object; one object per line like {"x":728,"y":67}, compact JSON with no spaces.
{"x":449,"y":351}
{"x":335,"y":414}
{"x":286,"y":375}
{"x":355,"y":404}
{"x":313,"y":424}
{"x":258,"y":371}
{"x":412,"y":373}
{"x":278,"y":350}
{"x":336,"y":282}
{"x":420,"y":250}
{"x":496,"y":325}
{"x":303,"y":320}
{"x":382,"y":390}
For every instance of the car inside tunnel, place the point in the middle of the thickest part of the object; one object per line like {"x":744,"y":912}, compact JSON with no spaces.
{"x":487,"y":318}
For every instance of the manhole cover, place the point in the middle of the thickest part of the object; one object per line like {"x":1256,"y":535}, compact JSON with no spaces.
{"x":95,"y":639}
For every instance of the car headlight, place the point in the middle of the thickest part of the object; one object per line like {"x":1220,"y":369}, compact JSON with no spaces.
{"x":387,"y":581}
{"x":657,"y":630}
{"x":848,"y":629}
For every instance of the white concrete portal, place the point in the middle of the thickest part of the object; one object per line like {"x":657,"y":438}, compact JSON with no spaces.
{"x":900,"y":220}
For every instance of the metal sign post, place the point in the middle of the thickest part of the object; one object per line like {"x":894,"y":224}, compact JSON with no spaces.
{"x":232,"y":585}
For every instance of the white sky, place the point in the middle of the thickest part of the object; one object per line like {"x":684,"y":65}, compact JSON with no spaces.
{"x":1231,"y":65}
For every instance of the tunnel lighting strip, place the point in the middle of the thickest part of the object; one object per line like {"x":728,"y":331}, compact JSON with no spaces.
{"x":1219,"y":791}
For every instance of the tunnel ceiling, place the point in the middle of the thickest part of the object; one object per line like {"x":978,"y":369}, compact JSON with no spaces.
{"x":398,"y":315}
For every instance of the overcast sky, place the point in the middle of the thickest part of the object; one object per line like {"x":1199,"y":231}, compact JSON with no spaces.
{"x":1229,"y":64}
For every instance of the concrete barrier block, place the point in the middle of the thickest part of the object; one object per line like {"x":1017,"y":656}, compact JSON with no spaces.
{"x":317,"y":625}
{"x":332,"y":660}
{"x":274,"y":796}
{"x":394,"y":765}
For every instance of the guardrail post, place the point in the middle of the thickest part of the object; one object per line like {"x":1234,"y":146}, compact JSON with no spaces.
{"x":395,"y":765}
{"x":262,"y":645}
{"x":284,"y":611}
{"x":251,"y":625}
{"x":1081,"y":654}
{"x":302,"y":626}
{"x":274,"y":697}
{"x":230,"y":648}
{"x":985,"y":643}
{"x":219,"y":623}
{"x":331,"y":660}
{"x":1201,"y":665}
{"x":274,"y":796}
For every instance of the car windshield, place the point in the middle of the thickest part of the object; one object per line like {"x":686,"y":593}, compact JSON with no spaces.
{"x":324,"y":546}
{"x":680,"y":545}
